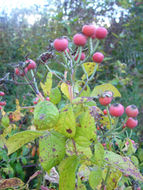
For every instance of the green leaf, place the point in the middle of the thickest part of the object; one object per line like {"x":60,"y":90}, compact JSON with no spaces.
{"x":55,"y":95}
{"x":19,"y":139}
{"x":98,"y":90}
{"x":140,"y":154}
{"x":123,"y":164}
{"x":78,"y":87}
{"x":51,"y":149}
{"x":86,"y":132}
{"x":98,"y":156}
{"x":67,"y":171}
{"x":5,"y":121}
{"x":66,"y":124}
{"x":95,"y":178}
{"x":48,"y":85}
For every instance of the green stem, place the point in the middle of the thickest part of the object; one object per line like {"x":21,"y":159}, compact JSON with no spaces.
{"x":79,"y":55}
{"x":90,"y":46}
{"x":109,"y":116}
{"x":35,"y":82}
{"x":131,"y":133}
{"x":107,"y":175}
{"x":64,"y":58}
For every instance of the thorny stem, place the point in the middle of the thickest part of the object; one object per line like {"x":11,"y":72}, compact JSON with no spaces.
{"x":35,"y":82}
{"x":54,"y":73}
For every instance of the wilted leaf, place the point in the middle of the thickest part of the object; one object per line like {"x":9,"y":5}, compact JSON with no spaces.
{"x":113,"y":178}
{"x":67,"y":90}
{"x":123,"y":164}
{"x":89,"y":68}
{"x":48,"y":85}
{"x":98,"y":90}
{"x":19,"y":139}
{"x":52,"y":150}
{"x":11,"y":183}
{"x":67,"y":171}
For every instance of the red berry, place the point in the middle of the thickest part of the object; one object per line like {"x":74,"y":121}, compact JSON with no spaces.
{"x":132,"y":111}
{"x":82,"y":56}
{"x":104,"y":144}
{"x":98,"y":128}
{"x":24,"y":72}
{"x":105,"y":100}
{"x":98,"y":57}
{"x":124,"y":126}
{"x":79,"y":39}
{"x":105,"y":112}
{"x":101,"y":33}
{"x":116,"y":110}
{"x":0,"y":107}
{"x":2,"y":103}
{"x":67,"y":50}
{"x":138,"y":188}
{"x":48,"y":99}
{"x":88,"y":30}
{"x":131,"y":123}
{"x":2,"y":93}
{"x":17,"y":72}
{"x":31,"y":64}
{"x":60,"y":44}
{"x":94,"y":35}
{"x":35,"y":102}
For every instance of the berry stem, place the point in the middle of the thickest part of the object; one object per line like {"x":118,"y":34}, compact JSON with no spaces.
{"x":90,"y":46}
{"x":109,"y":116}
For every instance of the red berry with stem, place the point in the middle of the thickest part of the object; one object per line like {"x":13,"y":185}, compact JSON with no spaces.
{"x":82,"y":56}
{"x":31,"y":64}
{"x":116,"y":110}
{"x":88,"y":30}
{"x":132,"y":111}
{"x":98,"y":57}
{"x":101,"y":33}
{"x":131,"y":123}
{"x":106,"y":98}
{"x":105,"y":112}
{"x":2,"y":103}
{"x":79,"y":39}
{"x":61,"y":44}
{"x":2,"y":93}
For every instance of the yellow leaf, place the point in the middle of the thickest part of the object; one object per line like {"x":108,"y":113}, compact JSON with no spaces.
{"x":98,"y":90}
{"x":67,"y":90}
{"x":89,"y":68}
{"x":16,"y":115}
{"x":48,"y":85}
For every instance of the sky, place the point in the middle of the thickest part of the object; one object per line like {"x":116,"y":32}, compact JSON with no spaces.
{"x":8,"y":5}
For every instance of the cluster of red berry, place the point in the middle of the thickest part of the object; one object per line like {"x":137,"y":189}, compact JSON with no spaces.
{"x":30,"y":65}
{"x":80,"y":39}
{"x":117,"y":110}
{"x":2,"y":103}
{"x":37,"y":99}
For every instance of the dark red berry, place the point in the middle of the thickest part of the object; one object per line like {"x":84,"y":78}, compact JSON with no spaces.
{"x":101,"y":33}
{"x":124,"y":126}
{"x":48,"y":99}
{"x":2,"y":93}
{"x":98,"y":57}
{"x":132,"y":111}
{"x":79,"y":39}
{"x":116,"y":110}
{"x":88,"y":30}
{"x":61,"y":44}
{"x":131,"y":123}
